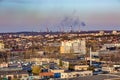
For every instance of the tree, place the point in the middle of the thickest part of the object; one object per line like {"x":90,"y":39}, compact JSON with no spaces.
{"x":61,"y":63}
{"x":71,"y":67}
{"x":0,"y":78}
{"x":91,"y":68}
{"x":36,"y":70}
{"x":4,"y":78}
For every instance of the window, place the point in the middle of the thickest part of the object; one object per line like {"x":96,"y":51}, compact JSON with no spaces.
{"x":25,"y":76}
{"x":89,"y":73}
{"x":20,"y":76}
{"x":77,"y":75}
{"x":74,"y":75}
{"x":81,"y":74}
{"x":69,"y":75}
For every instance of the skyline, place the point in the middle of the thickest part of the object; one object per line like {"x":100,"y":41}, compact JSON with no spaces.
{"x":36,"y":15}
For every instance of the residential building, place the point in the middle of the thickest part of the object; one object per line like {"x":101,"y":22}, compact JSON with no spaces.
{"x":110,"y":46}
{"x":10,"y":75}
{"x":109,"y":69}
{"x":71,"y":63}
{"x":1,"y":45}
{"x":73,"y":46}
{"x":76,"y":74}
{"x":101,"y":32}
{"x":57,"y":70}
{"x":2,"y":65}
{"x":45,"y":75}
{"x":81,"y":67}
{"x":114,"y":32}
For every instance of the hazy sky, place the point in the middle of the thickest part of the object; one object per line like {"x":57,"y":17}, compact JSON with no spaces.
{"x":36,"y":15}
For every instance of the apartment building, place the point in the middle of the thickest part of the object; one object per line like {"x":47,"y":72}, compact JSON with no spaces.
{"x":73,"y":46}
{"x":1,"y":45}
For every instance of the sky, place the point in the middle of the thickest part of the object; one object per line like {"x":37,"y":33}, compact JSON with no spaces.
{"x":58,"y":15}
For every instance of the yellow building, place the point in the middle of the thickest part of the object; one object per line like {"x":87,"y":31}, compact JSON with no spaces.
{"x":81,"y":67}
{"x":62,"y":49}
{"x":1,"y":45}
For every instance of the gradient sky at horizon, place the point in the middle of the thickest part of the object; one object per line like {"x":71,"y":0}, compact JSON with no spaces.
{"x":37,"y":15}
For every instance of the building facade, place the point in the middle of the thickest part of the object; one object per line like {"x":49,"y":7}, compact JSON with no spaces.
{"x":1,"y":45}
{"x":76,"y":74}
{"x":73,"y":46}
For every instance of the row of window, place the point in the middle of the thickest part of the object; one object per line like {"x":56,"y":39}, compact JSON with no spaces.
{"x":77,"y":75}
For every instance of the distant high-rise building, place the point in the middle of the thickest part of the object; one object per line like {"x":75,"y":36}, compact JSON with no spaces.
{"x":73,"y":46}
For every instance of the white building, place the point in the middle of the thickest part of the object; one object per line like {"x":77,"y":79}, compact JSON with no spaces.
{"x":101,"y":32}
{"x":109,"y":69}
{"x":3,"y":65}
{"x":114,"y":32}
{"x":76,"y":74}
{"x":105,"y":46}
{"x":73,"y":46}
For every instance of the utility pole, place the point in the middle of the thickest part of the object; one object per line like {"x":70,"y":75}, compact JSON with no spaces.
{"x":90,"y":57}
{"x":32,"y":46}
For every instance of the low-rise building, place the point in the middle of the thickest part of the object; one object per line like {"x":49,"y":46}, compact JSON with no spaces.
{"x":46,"y":75}
{"x":71,"y":63}
{"x":108,"y":69}
{"x":1,"y":45}
{"x":81,"y":67}
{"x":2,"y":65}
{"x":76,"y":74}
{"x":57,"y":70}
{"x":10,"y":75}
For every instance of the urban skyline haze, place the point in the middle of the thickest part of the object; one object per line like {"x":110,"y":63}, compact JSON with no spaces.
{"x":38,"y":15}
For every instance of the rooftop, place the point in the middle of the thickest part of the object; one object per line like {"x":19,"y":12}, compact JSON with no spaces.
{"x":95,"y":77}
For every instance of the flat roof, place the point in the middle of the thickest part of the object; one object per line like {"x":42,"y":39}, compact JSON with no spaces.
{"x":95,"y":77}
{"x":13,"y":72}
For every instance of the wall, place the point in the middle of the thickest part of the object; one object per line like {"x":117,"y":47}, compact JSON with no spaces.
{"x":76,"y":74}
{"x":81,"y":67}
